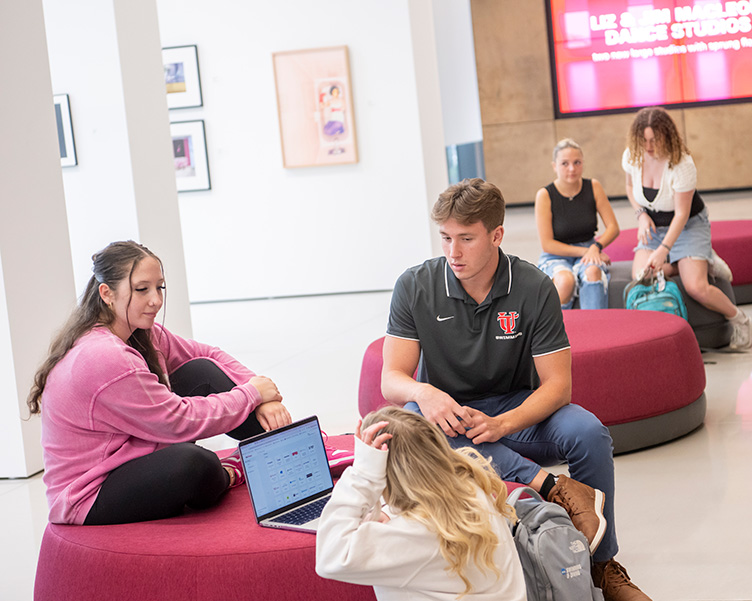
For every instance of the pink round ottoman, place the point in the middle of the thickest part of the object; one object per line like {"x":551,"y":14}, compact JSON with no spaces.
{"x":640,"y":372}
{"x":732,"y":240}
{"x":215,"y":555}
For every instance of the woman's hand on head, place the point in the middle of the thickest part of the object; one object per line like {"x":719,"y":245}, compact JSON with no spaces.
{"x":370,"y":435}
{"x":266,"y":388}
{"x":272,"y":415}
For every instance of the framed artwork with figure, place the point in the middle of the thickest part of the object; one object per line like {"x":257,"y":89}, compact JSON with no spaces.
{"x":182,"y":78}
{"x":189,"y":152}
{"x":315,"y":107}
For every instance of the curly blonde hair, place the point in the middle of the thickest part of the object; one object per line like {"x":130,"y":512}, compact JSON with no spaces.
{"x":667,"y":139}
{"x":430,"y":482}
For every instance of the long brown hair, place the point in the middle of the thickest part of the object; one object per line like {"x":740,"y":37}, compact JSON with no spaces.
{"x":667,"y":139}
{"x":112,"y":265}
{"x":430,"y":482}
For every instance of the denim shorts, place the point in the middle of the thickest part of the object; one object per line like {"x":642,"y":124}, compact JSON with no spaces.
{"x":552,"y":264}
{"x":693,"y":241}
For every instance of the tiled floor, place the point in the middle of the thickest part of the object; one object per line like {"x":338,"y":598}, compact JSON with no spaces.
{"x":683,"y":509}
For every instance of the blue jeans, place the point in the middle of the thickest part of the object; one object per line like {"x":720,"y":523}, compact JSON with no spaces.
{"x":593,"y":295}
{"x":572,"y":435}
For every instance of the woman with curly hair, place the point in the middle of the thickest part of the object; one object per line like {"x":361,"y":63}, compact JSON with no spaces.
{"x":444,"y":531}
{"x":673,"y":232}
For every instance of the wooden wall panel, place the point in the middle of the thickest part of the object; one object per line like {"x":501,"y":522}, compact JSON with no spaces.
{"x":518,"y":158}
{"x":511,"y":56}
{"x":720,"y":140}
{"x":519,"y":129}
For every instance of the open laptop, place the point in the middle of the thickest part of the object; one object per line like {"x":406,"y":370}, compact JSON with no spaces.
{"x":287,"y":474}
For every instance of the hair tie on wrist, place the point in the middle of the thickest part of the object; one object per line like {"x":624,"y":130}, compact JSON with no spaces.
{"x":598,"y":244}
{"x":668,"y":248}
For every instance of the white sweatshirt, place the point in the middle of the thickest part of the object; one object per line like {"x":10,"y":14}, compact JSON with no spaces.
{"x":401,"y":558}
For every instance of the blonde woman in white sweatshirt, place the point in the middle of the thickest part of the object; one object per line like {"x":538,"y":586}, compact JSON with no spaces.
{"x":443,"y":533}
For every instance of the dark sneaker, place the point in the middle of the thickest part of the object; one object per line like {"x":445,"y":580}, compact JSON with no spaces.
{"x":611,"y":577}
{"x":584,"y":506}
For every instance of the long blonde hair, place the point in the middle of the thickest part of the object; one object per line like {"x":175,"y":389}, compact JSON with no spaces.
{"x":430,"y":482}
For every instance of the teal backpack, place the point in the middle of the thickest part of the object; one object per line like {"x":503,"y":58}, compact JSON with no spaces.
{"x":654,"y":293}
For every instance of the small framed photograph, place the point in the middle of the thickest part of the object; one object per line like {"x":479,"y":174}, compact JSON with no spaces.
{"x":65,"y":131}
{"x":191,"y":160}
{"x":182,"y":79}
{"x":315,"y":105}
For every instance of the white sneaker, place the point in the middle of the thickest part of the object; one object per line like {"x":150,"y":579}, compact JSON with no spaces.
{"x":741,"y":336}
{"x":718,"y":268}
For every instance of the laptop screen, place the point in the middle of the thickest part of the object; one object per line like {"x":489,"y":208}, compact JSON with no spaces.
{"x":286,"y":467}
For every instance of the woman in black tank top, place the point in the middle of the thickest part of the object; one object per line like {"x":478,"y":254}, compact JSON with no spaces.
{"x":566,"y":214}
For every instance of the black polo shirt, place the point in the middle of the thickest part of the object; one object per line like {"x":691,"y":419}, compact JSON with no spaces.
{"x":470,"y":350}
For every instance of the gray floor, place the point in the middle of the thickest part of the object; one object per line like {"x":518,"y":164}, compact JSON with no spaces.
{"x":683,"y":509}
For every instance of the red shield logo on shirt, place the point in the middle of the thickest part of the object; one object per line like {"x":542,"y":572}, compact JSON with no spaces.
{"x":508,"y":321}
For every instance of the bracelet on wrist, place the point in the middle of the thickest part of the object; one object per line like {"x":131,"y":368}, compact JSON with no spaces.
{"x":668,"y":248}
{"x":640,"y":211}
{"x":598,"y":244}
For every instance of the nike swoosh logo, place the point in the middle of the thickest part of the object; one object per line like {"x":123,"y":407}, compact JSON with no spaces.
{"x":439,"y":318}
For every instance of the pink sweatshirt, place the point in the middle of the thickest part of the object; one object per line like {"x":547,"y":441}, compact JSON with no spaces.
{"x":102,"y":407}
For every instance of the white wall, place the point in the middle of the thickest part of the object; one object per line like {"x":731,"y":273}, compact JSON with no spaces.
{"x":36,"y":273}
{"x":455,"y":52}
{"x":84,"y":64}
{"x":264,"y":230}
{"x":106,"y":55}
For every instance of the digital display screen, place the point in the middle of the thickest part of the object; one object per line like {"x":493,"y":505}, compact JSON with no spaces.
{"x":617,"y":55}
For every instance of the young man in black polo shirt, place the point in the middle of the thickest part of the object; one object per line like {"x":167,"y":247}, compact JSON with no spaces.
{"x":486,"y":334}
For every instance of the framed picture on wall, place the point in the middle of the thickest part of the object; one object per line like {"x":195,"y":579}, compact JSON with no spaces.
{"x":315,"y":106}
{"x":65,"y":131}
{"x":182,"y":79}
{"x":189,"y":151}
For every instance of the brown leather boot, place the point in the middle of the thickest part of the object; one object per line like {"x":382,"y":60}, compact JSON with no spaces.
{"x":584,"y":506}
{"x":611,"y":577}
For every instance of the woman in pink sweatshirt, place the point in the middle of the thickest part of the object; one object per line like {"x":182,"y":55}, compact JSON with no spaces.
{"x":122,"y":399}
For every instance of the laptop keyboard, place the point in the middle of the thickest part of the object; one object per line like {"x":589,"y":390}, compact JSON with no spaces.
{"x":304,"y":514}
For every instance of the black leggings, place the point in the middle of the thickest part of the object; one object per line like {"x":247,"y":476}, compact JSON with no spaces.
{"x":159,"y":485}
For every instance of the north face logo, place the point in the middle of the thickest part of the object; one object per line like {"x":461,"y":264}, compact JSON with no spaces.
{"x":508,"y":321}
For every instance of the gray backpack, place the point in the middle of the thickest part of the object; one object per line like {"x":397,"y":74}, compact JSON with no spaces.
{"x":555,"y":556}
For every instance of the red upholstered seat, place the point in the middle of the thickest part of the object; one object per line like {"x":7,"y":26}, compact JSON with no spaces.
{"x":640,"y":372}
{"x":369,"y":390}
{"x":633,"y":365}
{"x":215,"y":555}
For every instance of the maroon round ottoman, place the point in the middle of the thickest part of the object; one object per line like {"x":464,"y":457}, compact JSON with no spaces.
{"x":640,"y":372}
{"x":215,"y":555}
{"x":732,"y":240}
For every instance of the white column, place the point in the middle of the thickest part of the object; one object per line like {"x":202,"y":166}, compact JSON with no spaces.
{"x":106,"y":55}
{"x":429,"y":103}
{"x":36,"y":275}
{"x":152,"y":162}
